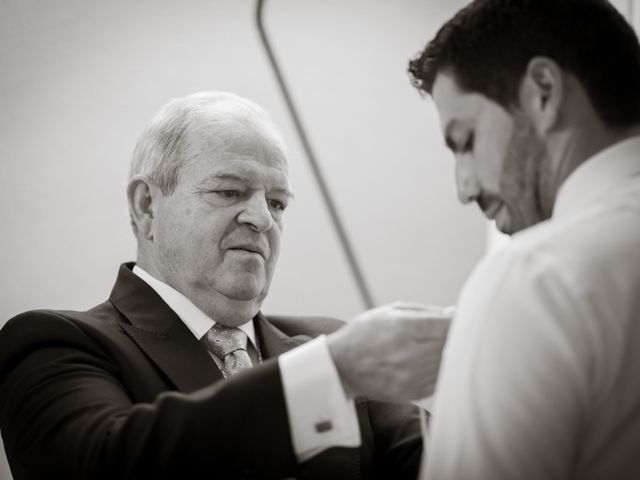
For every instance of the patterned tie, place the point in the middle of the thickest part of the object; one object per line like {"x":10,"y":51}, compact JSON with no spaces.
{"x":229,"y":344}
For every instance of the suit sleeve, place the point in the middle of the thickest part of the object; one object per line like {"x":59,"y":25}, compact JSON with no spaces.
{"x":64,"y":413}
{"x":397,"y":439}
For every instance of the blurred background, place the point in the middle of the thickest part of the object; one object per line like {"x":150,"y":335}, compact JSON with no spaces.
{"x":80,"y":79}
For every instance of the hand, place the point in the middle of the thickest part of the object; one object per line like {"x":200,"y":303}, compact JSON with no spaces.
{"x":391,"y":352}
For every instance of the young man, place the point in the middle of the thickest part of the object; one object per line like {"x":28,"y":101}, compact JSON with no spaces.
{"x":539,"y":101}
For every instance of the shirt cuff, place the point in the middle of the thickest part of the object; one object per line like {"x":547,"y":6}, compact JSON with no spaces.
{"x":320,"y":414}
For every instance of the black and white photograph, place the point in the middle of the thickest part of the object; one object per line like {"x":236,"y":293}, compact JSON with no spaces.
{"x":322,"y":240}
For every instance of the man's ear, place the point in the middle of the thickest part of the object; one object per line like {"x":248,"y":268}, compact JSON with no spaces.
{"x":542,"y":93}
{"x":142,"y":196}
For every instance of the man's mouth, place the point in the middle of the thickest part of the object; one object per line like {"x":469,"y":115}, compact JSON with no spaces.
{"x":250,"y":249}
{"x":492,"y":210}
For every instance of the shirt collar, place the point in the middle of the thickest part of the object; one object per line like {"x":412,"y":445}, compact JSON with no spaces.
{"x":194,"y":318}
{"x":597,"y":176}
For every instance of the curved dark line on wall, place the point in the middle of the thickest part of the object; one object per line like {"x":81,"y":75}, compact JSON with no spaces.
{"x":315,"y":167}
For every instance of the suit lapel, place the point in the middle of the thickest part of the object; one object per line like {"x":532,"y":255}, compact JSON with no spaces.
{"x":273,"y":342}
{"x":160,"y":333}
{"x":171,"y":346}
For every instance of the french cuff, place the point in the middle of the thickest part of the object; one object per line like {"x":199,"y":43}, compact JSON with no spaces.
{"x":320,"y":414}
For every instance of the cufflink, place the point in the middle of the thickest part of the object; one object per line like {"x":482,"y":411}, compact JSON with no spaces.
{"x":324,"y":426}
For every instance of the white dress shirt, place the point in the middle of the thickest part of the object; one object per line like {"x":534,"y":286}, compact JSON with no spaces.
{"x":312,"y":388}
{"x":540,"y":375}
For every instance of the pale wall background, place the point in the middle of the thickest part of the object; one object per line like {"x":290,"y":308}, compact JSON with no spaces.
{"x":80,"y":78}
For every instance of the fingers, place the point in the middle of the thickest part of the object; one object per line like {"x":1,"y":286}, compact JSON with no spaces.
{"x":422,"y":325}
{"x":401,"y":305}
{"x":408,"y":309}
{"x":401,"y":320}
{"x":418,"y":310}
{"x":426,"y":328}
{"x":392,"y":351}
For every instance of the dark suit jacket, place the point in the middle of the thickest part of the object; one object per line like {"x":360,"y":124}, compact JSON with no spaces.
{"x":126,"y":391}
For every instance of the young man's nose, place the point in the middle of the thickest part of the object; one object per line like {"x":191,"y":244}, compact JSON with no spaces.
{"x":467,"y":183}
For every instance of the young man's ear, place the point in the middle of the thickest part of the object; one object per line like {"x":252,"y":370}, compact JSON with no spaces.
{"x":142,"y":196}
{"x":542,"y":93}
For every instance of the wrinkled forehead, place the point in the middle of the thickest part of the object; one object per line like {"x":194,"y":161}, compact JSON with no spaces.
{"x":251,"y":139}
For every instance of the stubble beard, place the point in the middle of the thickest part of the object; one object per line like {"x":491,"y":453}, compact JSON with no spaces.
{"x":525,"y":177}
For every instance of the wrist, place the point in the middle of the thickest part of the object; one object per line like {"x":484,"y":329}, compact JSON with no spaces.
{"x":339,"y":355}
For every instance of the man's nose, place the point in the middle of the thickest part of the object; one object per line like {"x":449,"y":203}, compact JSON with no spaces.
{"x":467,"y":183}
{"x":256,"y":213}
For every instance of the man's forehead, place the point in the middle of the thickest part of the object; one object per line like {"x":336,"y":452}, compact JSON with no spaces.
{"x":240,"y":138}
{"x":455,"y":105}
{"x":234,"y":129}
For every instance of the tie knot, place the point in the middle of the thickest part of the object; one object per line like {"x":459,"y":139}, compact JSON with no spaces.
{"x":223,"y":340}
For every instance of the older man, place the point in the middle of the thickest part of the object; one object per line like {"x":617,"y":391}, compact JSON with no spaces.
{"x":539,"y":101}
{"x":134,"y":387}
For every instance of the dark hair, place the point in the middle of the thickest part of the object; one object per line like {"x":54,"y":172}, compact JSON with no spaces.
{"x":488,"y":44}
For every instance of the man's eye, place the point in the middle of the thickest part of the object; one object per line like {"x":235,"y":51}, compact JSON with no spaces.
{"x":228,"y":193}
{"x":277,"y":205}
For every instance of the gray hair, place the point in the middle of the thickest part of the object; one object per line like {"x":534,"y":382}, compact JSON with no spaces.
{"x":162,"y":148}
